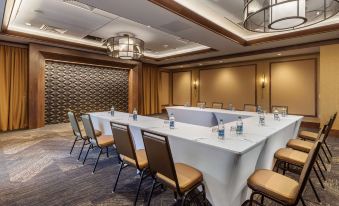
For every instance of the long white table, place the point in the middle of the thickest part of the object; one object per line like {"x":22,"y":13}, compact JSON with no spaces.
{"x":225,"y":164}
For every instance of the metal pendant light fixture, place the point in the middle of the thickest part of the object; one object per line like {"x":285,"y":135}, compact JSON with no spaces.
{"x":283,"y":15}
{"x":125,"y":46}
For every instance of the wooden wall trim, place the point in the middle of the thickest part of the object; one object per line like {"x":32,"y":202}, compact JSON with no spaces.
{"x":316,"y":83}
{"x":36,"y":91}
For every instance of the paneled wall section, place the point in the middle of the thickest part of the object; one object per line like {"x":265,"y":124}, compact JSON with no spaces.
{"x":83,"y":88}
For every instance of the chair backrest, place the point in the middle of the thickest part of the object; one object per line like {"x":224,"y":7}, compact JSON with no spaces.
{"x":250,"y":107}
{"x":123,"y":140}
{"x":88,"y":125}
{"x":305,"y":173}
{"x":159,"y":155}
{"x":201,"y":104}
{"x":217,"y":105}
{"x":74,"y":123}
{"x":279,"y":108}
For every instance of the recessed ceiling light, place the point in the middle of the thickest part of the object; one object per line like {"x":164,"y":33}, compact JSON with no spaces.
{"x":221,"y":61}
{"x":200,"y":64}
{"x":28,"y":24}
{"x":165,"y":45}
{"x":279,"y":54}
{"x":148,"y":26}
{"x":318,"y":13}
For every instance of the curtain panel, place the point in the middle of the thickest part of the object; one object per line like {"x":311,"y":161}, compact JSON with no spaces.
{"x":13,"y":87}
{"x":150,"y":89}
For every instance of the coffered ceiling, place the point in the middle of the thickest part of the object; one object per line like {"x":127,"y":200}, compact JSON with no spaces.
{"x":175,"y":32}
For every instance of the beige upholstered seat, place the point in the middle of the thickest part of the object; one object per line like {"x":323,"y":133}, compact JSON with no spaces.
{"x":312,"y":136}
{"x":141,"y":157}
{"x":187,"y":177}
{"x":274,"y":184}
{"x":105,"y":140}
{"x":291,"y":156}
{"x":300,"y":145}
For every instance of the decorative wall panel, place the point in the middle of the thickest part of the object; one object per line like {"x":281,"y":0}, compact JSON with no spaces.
{"x":83,"y":88}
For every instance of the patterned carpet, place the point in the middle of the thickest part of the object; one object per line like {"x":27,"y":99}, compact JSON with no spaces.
{"x":36,"y":169}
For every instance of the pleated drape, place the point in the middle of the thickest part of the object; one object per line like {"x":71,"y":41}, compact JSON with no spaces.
{"x":150,"y":83}
{"x":13,"y":87}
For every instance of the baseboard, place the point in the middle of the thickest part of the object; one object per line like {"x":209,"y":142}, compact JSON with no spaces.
{"x":313,"y":125}
{"x":334,"y":133}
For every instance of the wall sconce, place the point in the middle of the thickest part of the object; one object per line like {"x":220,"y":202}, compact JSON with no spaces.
{"x":195,"y":84}
{"x":263,"y":81}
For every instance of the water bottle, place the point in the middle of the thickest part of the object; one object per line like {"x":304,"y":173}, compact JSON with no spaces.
{"x":221,"y":129}
{"x":283,"y":112}
{"x":171,"y":121}
{"x":276,"y":115}
{"x":262,"y":119}
{"x":259,"y":109}
{"x":230,"y":107}
{"x":135,"y":114}
{"x":240,"y":126}
{"x":112,"y":111}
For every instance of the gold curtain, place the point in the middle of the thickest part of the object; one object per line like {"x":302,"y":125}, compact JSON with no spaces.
{"x":150,"y":89}
{"x":13,"y":87}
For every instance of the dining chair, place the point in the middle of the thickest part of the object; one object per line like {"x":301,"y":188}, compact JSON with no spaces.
{"x":201,"y":104}
{"x":128,"y":155}
{"x":101,"y":142}
{"x":279,"y":188}
{"x":279,"y":108}
{"x":179,"y":177}
{"x":312,"y":136}
{"x":305,"y":146}
{"x":285,"y":157}
{"x":78,"y":133}
{"x":217,"y":105}
{"x":250,"y":107}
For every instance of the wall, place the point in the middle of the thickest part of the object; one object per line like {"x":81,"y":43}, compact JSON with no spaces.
{"x":38,"y":54}
{"x":262,"y":68}
{"x":82,"y":89}
{"x":329,"y":82}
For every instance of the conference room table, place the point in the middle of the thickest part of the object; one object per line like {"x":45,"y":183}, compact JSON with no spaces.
{"x":226,"y":164}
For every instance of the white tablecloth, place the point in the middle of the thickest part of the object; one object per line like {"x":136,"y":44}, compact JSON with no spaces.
{"x":225,"y":164}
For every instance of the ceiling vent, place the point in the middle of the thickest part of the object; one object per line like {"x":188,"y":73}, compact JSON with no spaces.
{"x":53,"y":29}
{"x":94,"y":38}
{"x":176,"y":26}
{"x":79,"y":5}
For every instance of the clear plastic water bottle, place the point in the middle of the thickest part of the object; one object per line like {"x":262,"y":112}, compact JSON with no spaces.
{"x":283,"y":112}
{"x":112,"y":111}
{"x":221,"y":129}
{"x":171,"y":121}
{"x":135,"y":114}
{"x":276,"y":115}
{"x":240,"y":126}
{"x":262,"y":119}
{"x":230,"y":107}
{"x":259,"y":110}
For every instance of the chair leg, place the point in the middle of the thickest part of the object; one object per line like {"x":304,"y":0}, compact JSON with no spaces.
{"x":89,"y":147}
{"x":320,"y":181}
{"x":328,"y":159}
{"x":322,"y":162}
{"x":320,"y":170}
{"x":328,"y":149}
{"x":76,"y":138}
{"x":107,"y":152}
{"x":315,"y":192}
{"x":183,"y":199}
{"x":150,"y":195}
{"x":96,"y":163}
{"x":116,"y":181}
{"x":262,"y":199}
{"x":141,"y":178}
{"x":303,"y":201}
{"x":82,"y":148}
{"x":204,"y":194}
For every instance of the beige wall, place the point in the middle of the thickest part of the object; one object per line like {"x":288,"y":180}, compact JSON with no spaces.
{"x":293,"y":84}
{"x":234,"y":85}
{"x":329,"y":82}
{"x":182,"y":82}
{"x":263,"y":68}
{"x":164,"y":88}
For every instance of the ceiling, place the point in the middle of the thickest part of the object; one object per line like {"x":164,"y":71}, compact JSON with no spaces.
{"x":168,"y":34}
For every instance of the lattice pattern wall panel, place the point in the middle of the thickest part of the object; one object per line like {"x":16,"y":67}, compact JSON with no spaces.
{"x":82,"y":88}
